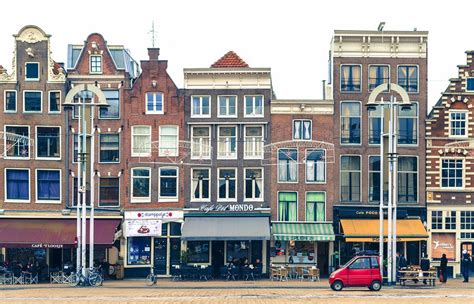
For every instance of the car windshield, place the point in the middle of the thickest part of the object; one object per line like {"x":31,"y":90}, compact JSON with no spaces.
{"x":350,"y":262}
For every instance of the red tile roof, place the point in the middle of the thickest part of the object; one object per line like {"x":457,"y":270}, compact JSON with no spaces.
{"x":230,"y":60}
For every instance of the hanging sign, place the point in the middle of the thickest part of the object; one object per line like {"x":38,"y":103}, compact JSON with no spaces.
{"x":142,"y":228}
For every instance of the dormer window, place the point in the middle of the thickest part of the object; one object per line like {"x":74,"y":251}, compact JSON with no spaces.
{"x":96,"y":64}
{"x":32,"y":71}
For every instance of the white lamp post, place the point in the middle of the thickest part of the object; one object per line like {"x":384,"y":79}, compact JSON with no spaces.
{"x":82,"y":169}
{"x":390,"y":135}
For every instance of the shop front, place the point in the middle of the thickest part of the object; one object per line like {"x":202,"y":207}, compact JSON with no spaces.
{"x":302,"y":244}
{"x":50,"y":243}
{"x":151,"y":239}
{"x":222,"y":239}
{"x":358,"y":229}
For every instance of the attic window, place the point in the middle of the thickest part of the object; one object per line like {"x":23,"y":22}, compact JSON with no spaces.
{"x":470,"y":84}
{"x":96,"y":64}
{"x":32,"y":71}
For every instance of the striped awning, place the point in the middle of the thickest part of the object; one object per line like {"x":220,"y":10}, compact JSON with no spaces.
{"x":303,"y":231}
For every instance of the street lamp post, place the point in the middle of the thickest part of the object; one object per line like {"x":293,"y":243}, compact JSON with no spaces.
{"x":81,"y":91}
{"x":388,"y":147}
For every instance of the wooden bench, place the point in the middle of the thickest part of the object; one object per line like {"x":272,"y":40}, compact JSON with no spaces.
{"x":417,"y":276}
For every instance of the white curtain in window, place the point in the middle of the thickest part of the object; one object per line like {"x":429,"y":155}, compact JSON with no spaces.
{"x":307,"y":129}
{"x":297,"y":130}
{"x":282,"y":170}
{"x":293,"y":166}
{"x":320,"y":170}
{"x":310,"y":170}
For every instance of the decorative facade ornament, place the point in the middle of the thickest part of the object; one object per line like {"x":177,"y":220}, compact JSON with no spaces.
{"x":5,"y":77}
{"x":31,"y":34}
{"x":55,"y":72}
{"x":29,"y":51}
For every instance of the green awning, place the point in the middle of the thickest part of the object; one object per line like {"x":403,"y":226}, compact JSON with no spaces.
{"x":303,"y":232}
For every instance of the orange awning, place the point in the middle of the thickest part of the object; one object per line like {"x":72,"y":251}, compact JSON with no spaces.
{"x":368,"y":230}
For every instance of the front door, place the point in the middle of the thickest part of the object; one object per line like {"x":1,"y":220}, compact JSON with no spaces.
{"x":323,"y":257}
{"x":160,"y":255}
{"x":359,"y":273}
{"x":217,"y":257}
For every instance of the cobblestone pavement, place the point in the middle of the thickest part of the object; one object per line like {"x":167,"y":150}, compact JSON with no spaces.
{"x":234,"y":292}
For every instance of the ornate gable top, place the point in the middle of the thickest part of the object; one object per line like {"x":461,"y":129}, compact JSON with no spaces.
{"x":230,"y":60}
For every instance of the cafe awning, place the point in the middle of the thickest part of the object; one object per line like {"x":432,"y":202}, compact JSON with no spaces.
{"x":225,"y":228}
{"x":303,"y":231}
{"x":52,"y":233}
{"x":368,"y":230}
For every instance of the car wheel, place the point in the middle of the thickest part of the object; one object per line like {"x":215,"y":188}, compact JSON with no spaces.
{"x":337,"y":286}
{"x":375,"y":286}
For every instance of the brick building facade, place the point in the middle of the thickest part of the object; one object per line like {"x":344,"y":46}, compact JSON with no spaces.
{"x":450,"y":169}
{"x":360,"y":61}
{"x":301,"y":162}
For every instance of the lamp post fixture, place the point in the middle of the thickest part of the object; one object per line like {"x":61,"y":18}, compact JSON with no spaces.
{"x":97,"y":98}
{"x":388,"y":149}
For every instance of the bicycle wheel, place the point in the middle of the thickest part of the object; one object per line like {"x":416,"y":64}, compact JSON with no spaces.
{"x":74,"y":281}
{"x":150,"y":279}
{"x":95,"y":279}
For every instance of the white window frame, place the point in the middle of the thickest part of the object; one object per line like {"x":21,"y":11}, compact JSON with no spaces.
{"x":118,"y":102}
{"x":99,"y":146}
{"x":340,"y":78}
{"x":297,"y":167}
{"x":306,"y":164}
{"x":466,"y":123}
{"x":5,"y":186}
{"x":160,"y":147}
{"x":209,"y":144}
{"x":5,"y":143}
{"x":417,"y":119}
{"x":306,"y":205}
{"x":39,"y":71}
{"x":340,"y":123}
{"x":98,"y":201}
{"x":227,"y":101}
{"x":101,"y":64}
{"x":418,"y":76}
{"x":463,"y":177}
{"x":193,"y":199}
{"x":165,"y":199}
{"x":227,"y":154}
{"x":154,"y":111}
{"x":254,"y":144}
{"x":253,"y":102}
{"x":60,"y":187}
{"x":59,"y":102}
{"x":417,"y":179}
{"x":254,"y":199}
{"x":297,"y":205}
{"x":140,"y":199}
{"x":59,"y":139}
{"x":368,"y":177}
{"x":200,"y":106}
{"x":141,"y":154}
{"x":227,"y":198}
{"x":5,"y":101}
{"x":378,"y":65}
{"x":302,"y":124}
{"x":41,"y":101}
{"x":360,"y":178}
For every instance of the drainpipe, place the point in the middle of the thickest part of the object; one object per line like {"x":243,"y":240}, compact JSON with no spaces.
{"x":66,"y":158}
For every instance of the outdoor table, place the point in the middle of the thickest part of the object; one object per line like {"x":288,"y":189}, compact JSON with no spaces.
{"x":417,"y":276}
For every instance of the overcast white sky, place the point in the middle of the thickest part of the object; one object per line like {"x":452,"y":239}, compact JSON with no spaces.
{"x":291,"y":37}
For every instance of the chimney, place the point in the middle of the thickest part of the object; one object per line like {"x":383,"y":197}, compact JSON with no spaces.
{"x":153,"y":53}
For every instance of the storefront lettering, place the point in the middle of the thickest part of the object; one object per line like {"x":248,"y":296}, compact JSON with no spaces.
{"x":41,"y":245}
{"x":223,"y":208}
{"x":157,"y":215}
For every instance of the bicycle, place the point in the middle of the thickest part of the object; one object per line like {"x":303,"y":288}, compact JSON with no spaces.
{"x":95,"y":277}
{"x":77,"y":278}
{"x":151,"y":278}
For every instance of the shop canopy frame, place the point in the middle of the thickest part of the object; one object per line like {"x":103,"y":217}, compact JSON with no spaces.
{"x":367,"y":230}
{"x":303,"y":232}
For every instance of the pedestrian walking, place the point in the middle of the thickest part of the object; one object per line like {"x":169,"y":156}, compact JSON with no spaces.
{"x":443,"y":269}
{"x":465,"y":265}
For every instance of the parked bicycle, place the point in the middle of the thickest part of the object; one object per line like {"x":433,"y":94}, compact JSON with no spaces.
{"x":151,"y":278}
{"x":93,"y":279}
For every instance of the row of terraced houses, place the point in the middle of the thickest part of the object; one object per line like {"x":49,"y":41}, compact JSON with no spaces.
{"x":221,"y":170}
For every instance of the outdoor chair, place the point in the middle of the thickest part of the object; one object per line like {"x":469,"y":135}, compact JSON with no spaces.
{"x":17,"y":276}
{"x":6,"y":278}
{"x":234,"y":273}
{"x":224,"y":273}
{"x":274,"y":274}
{"x":247,"y":273}
{"x":257,"y":272}
{"x":30,"y":278}
{"x":56,"y":278}
{"x":283,"y":274}
{"x":205,"y":273}
{"x":314,"y":274}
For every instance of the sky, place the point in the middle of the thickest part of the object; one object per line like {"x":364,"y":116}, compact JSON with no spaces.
{"x":290,"y":37}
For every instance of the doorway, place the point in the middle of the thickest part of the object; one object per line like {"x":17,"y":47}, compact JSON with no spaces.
{"x":217,"y":257}
{"x":323,"y":258}
{"x":160,"y":255}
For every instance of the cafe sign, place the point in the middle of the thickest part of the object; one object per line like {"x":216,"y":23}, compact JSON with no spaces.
{"x":43,"y":245}
{"x":206,"y":208}
{"x":154,"y":215}
{"x":142,"y":228}
{"x":443,"y":243}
